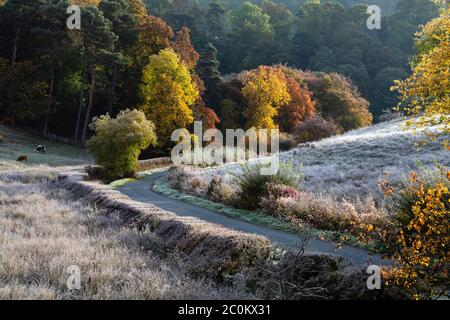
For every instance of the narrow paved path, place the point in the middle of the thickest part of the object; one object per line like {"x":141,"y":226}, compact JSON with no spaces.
{"x":142,"y":191}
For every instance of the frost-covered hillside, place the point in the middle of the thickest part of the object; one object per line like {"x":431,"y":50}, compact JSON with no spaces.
{"x":352,"y":164}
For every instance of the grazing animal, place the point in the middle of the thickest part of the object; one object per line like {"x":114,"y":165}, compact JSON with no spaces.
{"x":8,"y":121}
{"x":41,"y":149}
{"x":22,"y":159}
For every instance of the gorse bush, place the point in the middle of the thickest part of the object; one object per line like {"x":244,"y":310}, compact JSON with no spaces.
{"x":254,"y":186}
{"x":118,"y":142}
{"x":418,"y":237}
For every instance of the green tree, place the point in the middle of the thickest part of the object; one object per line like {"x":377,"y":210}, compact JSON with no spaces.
{"x":251,"y":31}
{"x":216,"y":18}
{"x":117,"y":143}
{"x":124,"y":25}
{"x":97,"y":47}
{"x":208,"y":70}
{"x":52,"y":43}
{"x":18,"y":18}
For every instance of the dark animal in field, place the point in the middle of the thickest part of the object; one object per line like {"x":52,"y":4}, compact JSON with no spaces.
{"x":8,"y":121}
{"x":22,"y":159}
{"x":41,"y":149}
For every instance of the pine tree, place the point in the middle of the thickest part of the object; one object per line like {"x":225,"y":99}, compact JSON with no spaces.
{"x":52,"y":43}
{"x":208,"y":70}
{"x":98,"y":41}
{"x":124,"y":25}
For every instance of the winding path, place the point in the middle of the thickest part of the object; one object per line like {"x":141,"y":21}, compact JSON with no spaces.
{"x":142,"y":191}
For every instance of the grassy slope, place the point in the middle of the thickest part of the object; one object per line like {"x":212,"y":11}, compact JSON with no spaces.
{"x":352,"y":164}
{"x":18,"y":142}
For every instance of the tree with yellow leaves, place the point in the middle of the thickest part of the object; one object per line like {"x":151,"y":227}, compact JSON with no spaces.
{"x":265,"y":90}
{"x":426,"y":93}
{"x":168,"y":93}
{"x":418,"y":235}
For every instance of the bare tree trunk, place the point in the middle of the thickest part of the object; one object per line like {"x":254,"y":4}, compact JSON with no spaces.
{"x":80,"y":106}
{"x":52,"y":85}
{"x":16,"y":44}
{"x":89,"y":108}
{"x":113,"y":89}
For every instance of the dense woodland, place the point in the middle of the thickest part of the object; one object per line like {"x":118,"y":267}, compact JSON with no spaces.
{"x":210,"y":60}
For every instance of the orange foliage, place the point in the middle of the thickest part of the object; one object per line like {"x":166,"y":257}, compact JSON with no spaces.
{"x":182,"y":45}
{"x":300,"y":108}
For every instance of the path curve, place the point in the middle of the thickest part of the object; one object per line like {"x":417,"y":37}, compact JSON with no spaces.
{"x":142,"y":191}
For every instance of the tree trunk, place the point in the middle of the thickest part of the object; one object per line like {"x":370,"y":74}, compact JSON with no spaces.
{"x":80,"y":105}
{"x":113,"y":89}
{"x":16,"y":44}
{"x":52,"y":85}
{"x":89,"y":108}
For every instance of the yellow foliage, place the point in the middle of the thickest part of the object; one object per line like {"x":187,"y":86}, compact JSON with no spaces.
{"x":118,"y":142}
{"x":265,"y":90}
{"x":418,"y":236}
{"x":168,"y":93}
{"x":427,"y":91}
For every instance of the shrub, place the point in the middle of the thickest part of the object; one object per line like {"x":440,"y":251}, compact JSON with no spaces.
{"x":181,"y":178}
{"x":287,"y":142}
{"x":118,"y":142}
{"x":419,"y":235}
{"x":322,"y":212}
{"x":315,"y":129}
{"x":254,"y":186}
{"x":220,"y":191}
{"x":176,"y":175}
{"x":195,"y":185}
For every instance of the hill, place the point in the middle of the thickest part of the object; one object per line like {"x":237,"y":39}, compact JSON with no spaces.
{"x":352,"y":164}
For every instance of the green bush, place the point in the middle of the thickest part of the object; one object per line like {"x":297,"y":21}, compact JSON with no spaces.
{"x":117,"y":143}
{"x":254,"y":186}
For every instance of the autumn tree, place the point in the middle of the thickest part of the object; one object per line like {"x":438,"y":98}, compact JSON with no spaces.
{"x":206,"y":115}
{"x":338,"y":99}
{"x":168,"y":94}
{"x":154,"y":35}
{"x":184,"y":48}
{"x":300,"y":108}
{"x":426,"y":93}
{"x":265,"y":90}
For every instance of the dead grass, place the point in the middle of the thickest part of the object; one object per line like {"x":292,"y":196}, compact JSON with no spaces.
{"x":43,"y":231}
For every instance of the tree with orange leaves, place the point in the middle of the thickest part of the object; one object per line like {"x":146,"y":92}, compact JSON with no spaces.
{"x":300,"y":108}
{"x":182,"y":45}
